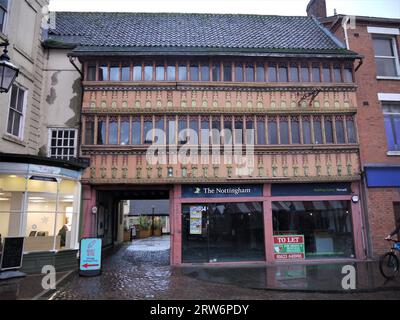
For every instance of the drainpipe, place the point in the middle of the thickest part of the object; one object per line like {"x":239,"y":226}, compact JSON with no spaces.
{"x":344,"y":25}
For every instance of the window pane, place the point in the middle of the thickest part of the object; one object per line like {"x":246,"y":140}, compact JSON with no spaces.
{"x":390,"y":136}
{"x":216,"y":131}
{"x":351,"y":131}
{"x":148,"y":127}
{"x":124,"y":132}
{"x":113,"y":132}
{"x":283,"y":73}
{"x":14,"y":96}
{"x":160,"y":73}
{"x":21,"y":98}
{"x":328,"y":131}
{"x":137,"y":72}
{"x":136,"y":132}
{"x":227,"y":72}
{"x":114,"y":72}
{"x":272,"y":76}
{"x":103,"y":73}
{"x":194,"y":131}
{"x":336,"y":74}
{"x":326,"y":226}
{"x":148,"y":72}
{"x":91,"y":73}
{"x":182,"y":132}
{"x":249,"y":73}
{"x":386,"y":67}
{"x":260,"y":73}
{"x":305,"y":75}
{"x":171,"y":73}
{"x":171,"y":132}
{"x":228,"y":132}
{"x":250,"y":132}
{"x":205,"y":73}
{"x":101,"y":132}
{"x":89,"y":133}
{"x":205,"y":132}
{"x":317,"y":131}
{"x":284,"y":131}
{"x":306,"y":131}
{"x":272,"y":131}
{"x":326,"y":73}
{"x":239,"y":128}
{"x":194,"y":73}
{"x":238,"y":73}
{"x":182,"y":70}
{"x":126,"y":73}
{"x":261,"y":132}
{"x":216,"y":69}
{"x":160,"y":133}
{"x":383,"y":47}
{"x":340,"y":131}
{"x":17,"y":124}
{"x":295,"y":131}
{"x":316,"y":73}
{"x":294,"y":73}
{"x":348,"y":75}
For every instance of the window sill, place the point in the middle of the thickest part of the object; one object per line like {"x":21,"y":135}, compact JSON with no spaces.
{"x":14,"y":139}
{"x":393,"y":153}
{"x":387,"y":78}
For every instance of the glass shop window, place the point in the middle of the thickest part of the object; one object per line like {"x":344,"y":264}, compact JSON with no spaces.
{"x":326,"y":226}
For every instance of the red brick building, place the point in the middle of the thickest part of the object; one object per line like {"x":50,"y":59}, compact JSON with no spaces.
{"x":378,"y":95}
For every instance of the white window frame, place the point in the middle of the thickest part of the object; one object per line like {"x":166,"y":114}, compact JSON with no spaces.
{"x":21,"y":129}
{"x":392,"y":38}
{"x":49,"y":146}
{"x":6,"y":15}
{"x":385,"y":101}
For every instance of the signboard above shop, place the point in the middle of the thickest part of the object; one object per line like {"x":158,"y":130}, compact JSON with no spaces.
{"x":310,"y":189}
{"x":221,"y":191}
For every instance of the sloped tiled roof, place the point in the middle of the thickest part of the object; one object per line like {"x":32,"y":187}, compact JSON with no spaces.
{"x":180,"y":30}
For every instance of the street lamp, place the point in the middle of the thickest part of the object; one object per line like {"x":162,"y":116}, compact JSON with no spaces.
{"x":8,"y":72}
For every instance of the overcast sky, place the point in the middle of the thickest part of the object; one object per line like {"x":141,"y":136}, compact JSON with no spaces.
{"x":375,"y":8}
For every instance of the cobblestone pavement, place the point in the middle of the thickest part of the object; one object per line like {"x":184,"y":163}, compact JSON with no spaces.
{"x":131,"y":274}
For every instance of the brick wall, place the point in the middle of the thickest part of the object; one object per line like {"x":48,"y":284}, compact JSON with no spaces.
{"x":371,"y":130}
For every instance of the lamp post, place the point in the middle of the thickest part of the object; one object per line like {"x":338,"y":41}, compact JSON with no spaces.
{"x":8,"y":72}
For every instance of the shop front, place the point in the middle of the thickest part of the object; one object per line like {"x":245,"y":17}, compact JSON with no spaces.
{"x":269,"y":223}
{"x":40,"y":201}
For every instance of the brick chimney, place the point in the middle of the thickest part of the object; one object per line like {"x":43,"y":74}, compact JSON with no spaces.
{"x":316,"y":8}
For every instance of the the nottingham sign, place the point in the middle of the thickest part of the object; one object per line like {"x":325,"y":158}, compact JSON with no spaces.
{"x":221,"y":191}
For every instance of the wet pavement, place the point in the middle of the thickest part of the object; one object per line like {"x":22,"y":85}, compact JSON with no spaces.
{"x":141,"y":271}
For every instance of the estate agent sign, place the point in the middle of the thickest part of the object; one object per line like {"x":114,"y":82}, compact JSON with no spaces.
{"x":289,"y":247}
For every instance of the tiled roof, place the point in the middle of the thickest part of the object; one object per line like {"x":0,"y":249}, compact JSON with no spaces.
{"x":180,"y":30}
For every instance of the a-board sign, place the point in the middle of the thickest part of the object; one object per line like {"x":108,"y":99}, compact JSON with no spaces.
{"x":12,"y":255}
{"x":289,"y":247}
{"x":90,"y":257}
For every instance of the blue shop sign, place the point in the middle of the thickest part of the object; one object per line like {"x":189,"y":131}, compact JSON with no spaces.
{"x":383,"y":176}
{"x":311,"y":189}
{"x":221,"y":191}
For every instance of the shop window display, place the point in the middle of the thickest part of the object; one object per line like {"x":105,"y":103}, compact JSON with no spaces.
{"x":326,"y":226}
